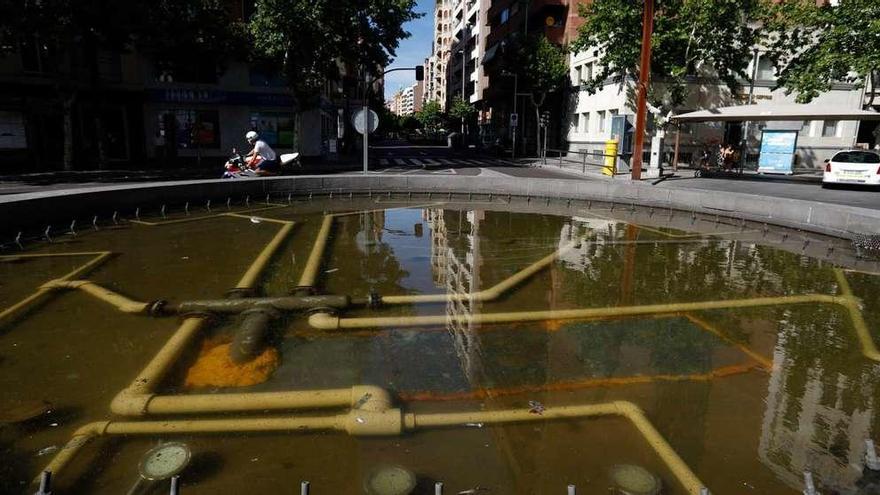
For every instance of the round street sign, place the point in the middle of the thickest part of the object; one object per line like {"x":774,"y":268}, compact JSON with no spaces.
{"x":358,"y":121}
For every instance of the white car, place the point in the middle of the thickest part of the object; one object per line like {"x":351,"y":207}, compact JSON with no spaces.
{"x":852,"y":167}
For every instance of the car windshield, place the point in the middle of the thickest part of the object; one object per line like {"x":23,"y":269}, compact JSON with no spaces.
{"x":856,"y":157}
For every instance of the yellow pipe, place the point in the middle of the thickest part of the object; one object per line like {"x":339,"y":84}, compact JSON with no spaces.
{"x":122,"y":303}
{"x":361,"y":422}
{"x":364,"y":397}
{"x":325,"y":321}
{"x":252,"y":276}
{"x":39,"y":296}
{"x":765,"y":362}
{"x":133,"y":400}
{"x":618,"y":408}
{"x":485,"y":295}
{"x":20,"y":307}
{"x":313,"y":264}
{"x":851,"y":304}
{"x":200,"y":218}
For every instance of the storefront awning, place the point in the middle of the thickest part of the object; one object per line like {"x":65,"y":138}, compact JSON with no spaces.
{"x":766,"y":112}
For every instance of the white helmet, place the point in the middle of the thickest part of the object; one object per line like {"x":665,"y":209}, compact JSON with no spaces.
{"x":251,"y":136}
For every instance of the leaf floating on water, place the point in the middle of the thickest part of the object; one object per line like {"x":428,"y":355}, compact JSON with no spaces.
{"x":255,"y":220}
{"x":48,"y":450}
{"x":536,"y":407}
{"x":475,"y":425}
{"x":331,"y":270}
{"x":473,"y":490}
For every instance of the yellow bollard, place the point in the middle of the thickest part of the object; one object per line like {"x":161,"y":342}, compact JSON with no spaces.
{"x":610,"y":157}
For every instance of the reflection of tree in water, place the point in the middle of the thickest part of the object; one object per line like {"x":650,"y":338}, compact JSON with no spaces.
{"x":375,"y":264}
{"x":672,"y":346}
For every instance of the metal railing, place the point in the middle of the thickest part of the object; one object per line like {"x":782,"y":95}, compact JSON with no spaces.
{"x":583,"y":158}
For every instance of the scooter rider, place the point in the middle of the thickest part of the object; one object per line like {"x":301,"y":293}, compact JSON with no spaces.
{"x":262,"y":159}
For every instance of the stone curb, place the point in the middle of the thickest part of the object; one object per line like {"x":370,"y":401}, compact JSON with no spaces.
{"x":23,"y":211}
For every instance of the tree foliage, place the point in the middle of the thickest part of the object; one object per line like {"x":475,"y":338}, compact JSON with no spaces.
{"x":714,"y":37}
{"x":544,"y":67}
{"x":815,"y":46}
{"x":431,"y":115}
{"x":461,"y":109}
{"x":310,"y":40}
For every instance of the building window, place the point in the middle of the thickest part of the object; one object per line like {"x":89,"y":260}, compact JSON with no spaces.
{"x":612,"y":113}
{"x":829,"y":128}
{"x":766,"y":71}
{"x":587,"y":72}
{"x":276,"y":129}
{"x":584,"y":124}
{"x":191,"y":129}
{"x":601,"y":118}
{"x":505,"y":15}
{"x":576,"y":76}
{"x":806,"y":128}
{"x":12,"y":131}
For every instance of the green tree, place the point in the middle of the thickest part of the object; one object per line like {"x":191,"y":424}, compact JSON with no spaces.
{"x":544,"y":71}
{"x":430,"y":116}
{"x":461,"y":109}
{"x":815,"y":46}
{"x":310,"y":41}
{"x":709,"y":36}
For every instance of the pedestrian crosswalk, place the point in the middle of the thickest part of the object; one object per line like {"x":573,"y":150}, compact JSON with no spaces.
{"x":434,"y":163}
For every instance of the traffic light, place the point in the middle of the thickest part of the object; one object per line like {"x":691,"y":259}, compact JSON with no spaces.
{"x":420,"y":73}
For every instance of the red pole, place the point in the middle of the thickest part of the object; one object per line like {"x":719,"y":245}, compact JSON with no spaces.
{"x":644,"y":78}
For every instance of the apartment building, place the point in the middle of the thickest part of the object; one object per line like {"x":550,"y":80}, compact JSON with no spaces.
{"x":136,"y":114}
{"x":509,"y":22}
{"x":589,"y":117}
{"x":436,"y":65}
{"x":411,"y":99}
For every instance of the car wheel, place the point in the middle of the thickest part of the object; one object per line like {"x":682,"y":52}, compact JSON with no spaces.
{"x":698,"y":173}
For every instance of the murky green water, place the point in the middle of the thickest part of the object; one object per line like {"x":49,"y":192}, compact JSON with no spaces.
{"x":749,"y":398}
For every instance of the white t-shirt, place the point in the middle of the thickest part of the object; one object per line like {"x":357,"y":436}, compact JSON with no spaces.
{"x":263,"y":149}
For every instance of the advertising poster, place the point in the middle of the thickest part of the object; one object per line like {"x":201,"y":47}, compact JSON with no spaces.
{"x":777,"y":152}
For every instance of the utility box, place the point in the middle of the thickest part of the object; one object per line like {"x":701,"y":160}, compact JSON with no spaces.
{"x":622,"y":129}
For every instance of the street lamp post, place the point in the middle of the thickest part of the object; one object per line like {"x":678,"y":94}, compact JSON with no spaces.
{"x":644,"y":78}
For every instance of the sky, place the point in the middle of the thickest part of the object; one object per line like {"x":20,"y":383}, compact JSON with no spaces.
{"x":413,"y":50}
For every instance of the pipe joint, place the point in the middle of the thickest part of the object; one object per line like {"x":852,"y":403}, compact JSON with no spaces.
{"x":128,"y":403}
{"x":359,"y":422}
{"x":323,"y":320}
{"x":370,"y":398}
{"x":241,"y":292}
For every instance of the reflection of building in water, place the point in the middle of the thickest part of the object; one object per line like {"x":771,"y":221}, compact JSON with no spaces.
{"x":459,"y":273}
{"x":817,"y":417}
{"x":577,"y":255}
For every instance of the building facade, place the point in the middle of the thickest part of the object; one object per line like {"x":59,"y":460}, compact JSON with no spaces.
{"x":436,"y":65}
{"x":509,"y":23}
{"x":133,"y":114}
{"x":589,"y":116}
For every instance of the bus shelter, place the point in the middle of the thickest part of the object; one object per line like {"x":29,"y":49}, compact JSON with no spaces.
{"x":767,"y":113}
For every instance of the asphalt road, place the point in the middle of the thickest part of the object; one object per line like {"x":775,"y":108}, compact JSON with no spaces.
{"x":781,"y":188}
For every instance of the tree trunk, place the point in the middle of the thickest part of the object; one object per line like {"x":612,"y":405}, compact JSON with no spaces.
{"x":67,"y":106}
{"x":538,"y":102}
{"x":538,"y":129}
